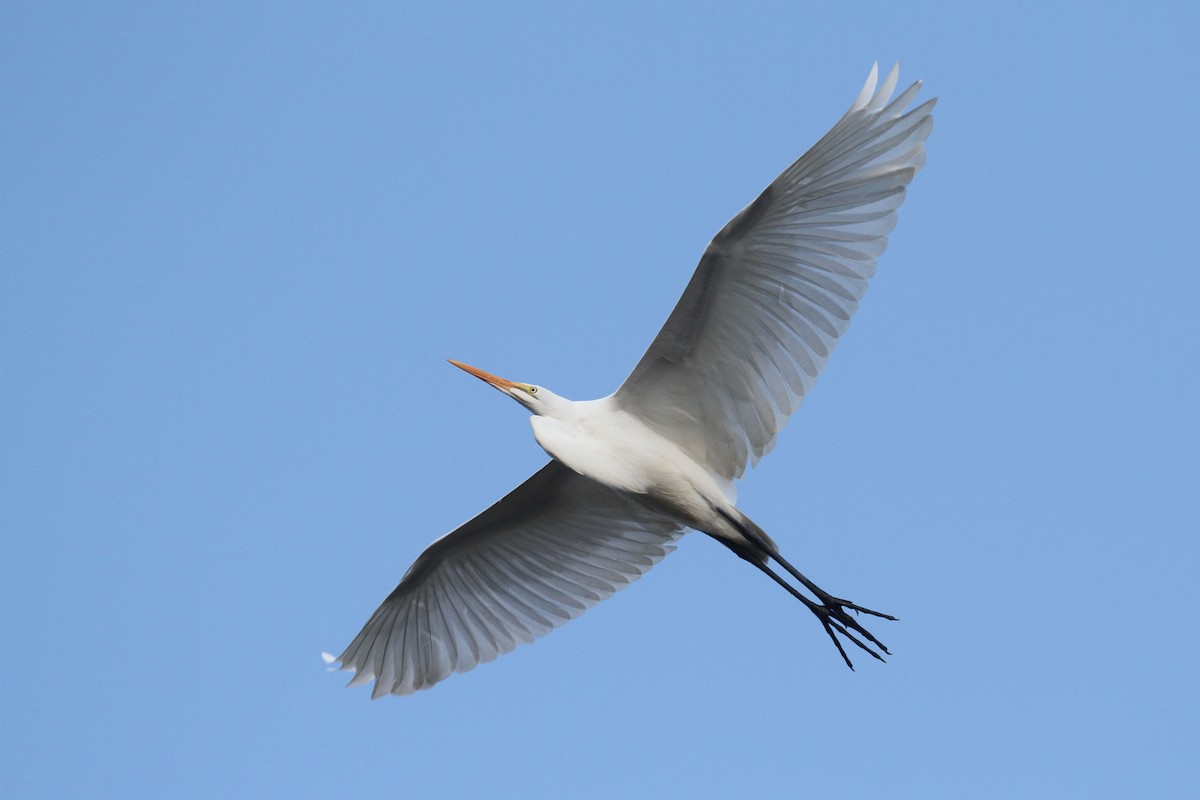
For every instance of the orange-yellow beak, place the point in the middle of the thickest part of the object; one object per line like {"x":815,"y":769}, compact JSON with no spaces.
{"x":500,"y":383}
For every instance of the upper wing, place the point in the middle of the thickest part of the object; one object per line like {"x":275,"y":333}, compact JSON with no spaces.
{"x":778,"y":285}
{"x":552,"y":548}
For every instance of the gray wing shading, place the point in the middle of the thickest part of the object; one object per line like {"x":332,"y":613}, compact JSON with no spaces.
{"x":552,"y":548}
{"x":778,"y":286}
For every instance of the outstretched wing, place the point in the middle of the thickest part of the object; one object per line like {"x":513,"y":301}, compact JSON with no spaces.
{"x":778,"y":285}
{"x":552,"y":548}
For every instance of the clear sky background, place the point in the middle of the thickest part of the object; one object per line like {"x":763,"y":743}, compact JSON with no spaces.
{"x":241,"y":239}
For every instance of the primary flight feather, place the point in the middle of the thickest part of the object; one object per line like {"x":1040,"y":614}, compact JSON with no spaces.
{"x":631,"y":472}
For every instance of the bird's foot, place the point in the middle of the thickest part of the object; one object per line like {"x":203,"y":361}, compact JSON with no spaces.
{"x":833,"y":613}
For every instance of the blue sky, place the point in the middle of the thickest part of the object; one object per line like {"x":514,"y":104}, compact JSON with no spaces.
{"x":240,"y":240}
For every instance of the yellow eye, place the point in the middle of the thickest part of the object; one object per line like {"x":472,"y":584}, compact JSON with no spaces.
{"x":533,"y":390}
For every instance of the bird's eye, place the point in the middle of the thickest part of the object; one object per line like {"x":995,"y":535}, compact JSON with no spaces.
{"x":533,"y":390}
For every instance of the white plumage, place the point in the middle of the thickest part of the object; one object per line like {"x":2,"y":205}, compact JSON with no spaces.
{"x":631,"y":472}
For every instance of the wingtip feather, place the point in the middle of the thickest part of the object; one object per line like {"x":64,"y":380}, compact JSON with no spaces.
{"x":885,"y":92}
{"x":868,"y":89}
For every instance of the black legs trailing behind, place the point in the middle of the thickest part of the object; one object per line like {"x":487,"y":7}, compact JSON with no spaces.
{"x":832,"y":612}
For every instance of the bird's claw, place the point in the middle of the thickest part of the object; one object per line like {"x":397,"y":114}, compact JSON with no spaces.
{"x":832,"y":613}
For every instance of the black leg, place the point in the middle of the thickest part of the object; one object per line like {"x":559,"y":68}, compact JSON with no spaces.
{"x":831,"y":611}
{"x":836,"y":606}
{"x":830,"y":615}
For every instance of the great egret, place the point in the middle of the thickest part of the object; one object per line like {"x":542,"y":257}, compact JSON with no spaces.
{"x":631,"y":472}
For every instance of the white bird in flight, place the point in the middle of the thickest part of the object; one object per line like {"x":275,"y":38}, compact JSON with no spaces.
{"x":630,"y":473}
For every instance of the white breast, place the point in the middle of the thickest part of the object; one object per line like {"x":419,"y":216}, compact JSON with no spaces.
{"x":615,"y":448}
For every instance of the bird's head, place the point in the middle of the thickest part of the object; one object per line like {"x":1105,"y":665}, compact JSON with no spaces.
{"x":537,"y":399}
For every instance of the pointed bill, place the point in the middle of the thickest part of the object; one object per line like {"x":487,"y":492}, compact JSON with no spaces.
{"x":500,"y":383}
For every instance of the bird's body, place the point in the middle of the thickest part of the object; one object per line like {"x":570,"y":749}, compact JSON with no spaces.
{"x":601,"y":441}
{"x":631,"y":472}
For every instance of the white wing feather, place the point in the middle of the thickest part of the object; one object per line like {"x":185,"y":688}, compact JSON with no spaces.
{"x":778,"y":286}
{"x":552,"y":548}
